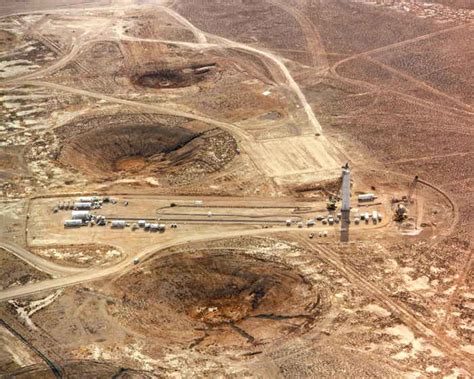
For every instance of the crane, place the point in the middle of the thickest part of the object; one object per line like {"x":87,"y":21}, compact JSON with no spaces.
{"x":401,"y":209}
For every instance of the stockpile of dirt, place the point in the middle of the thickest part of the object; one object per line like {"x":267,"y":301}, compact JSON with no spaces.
{"x":223,"y":297}
{"x":133,"y":145}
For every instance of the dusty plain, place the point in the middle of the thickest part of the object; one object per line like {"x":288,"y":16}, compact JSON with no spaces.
{"x":228,"y":123}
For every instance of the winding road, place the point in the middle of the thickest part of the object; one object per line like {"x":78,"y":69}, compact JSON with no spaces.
{"x":68,"y":276}
{"x":39,"y":263}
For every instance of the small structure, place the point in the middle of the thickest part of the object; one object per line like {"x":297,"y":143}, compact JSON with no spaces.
{"x":88,"y":199}
{"x":80,"y":215}
{"x":72,"y":223}
{"x":100,"y":220}
{"x":401,"y":213}
{"x":366,"y":197}
{"x":118,"y":224}
{"x":288,"y":222}
{"x":82,"y":205}
{"x":141,"y":223}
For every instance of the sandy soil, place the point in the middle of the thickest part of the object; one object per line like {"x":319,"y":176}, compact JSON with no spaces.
{"x":250,"y":108}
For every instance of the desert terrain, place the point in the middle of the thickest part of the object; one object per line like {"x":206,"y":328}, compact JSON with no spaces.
{"x":261,"y":189}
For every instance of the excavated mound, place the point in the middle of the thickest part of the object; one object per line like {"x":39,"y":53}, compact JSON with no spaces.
{"x":173,"y":77}
{"x":223,"y":298}
{"x":127,"y":145}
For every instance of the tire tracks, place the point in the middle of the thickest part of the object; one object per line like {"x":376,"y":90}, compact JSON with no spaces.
{"x":435,"y":338}
{"x":314,"y":44}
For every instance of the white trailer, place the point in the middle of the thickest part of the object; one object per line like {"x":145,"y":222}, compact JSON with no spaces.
{"x":88,"y":199}
{"x":82,"y":205}
{"x":72,"y":223}
{"x":366,"y":197}
{"x":80,"y":215}
{"x":118,"y":224}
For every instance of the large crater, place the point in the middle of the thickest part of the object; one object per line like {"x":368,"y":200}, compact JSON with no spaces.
{"x":223,"y":298}
{"x":135,"y":145}
{"x":174,"y":76}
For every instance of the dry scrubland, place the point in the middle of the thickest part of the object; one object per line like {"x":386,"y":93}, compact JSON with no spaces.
{"x":135,"y":101}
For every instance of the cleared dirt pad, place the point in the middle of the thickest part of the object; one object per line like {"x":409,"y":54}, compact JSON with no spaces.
{"x":80,"y":255}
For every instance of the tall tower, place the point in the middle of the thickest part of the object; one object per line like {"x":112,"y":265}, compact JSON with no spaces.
{"x":346,"y":188}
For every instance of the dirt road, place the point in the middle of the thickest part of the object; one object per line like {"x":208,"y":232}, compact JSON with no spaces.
{"x":37,"y":262}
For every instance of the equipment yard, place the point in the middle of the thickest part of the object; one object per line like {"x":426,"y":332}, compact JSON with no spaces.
{"x":268,"y":189}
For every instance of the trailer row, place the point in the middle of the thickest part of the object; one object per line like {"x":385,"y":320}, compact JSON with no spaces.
{"x":336,"y":219}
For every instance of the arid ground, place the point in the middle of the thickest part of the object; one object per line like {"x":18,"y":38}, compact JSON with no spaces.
{"x":211,"y":135}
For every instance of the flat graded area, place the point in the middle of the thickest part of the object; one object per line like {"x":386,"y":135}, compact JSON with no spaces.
{"x":171,"y":189}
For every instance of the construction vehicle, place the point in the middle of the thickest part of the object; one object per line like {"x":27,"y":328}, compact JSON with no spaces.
{"x":401,"y":212}
{"x":331,"y":204}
